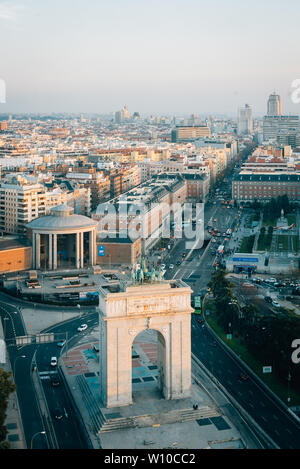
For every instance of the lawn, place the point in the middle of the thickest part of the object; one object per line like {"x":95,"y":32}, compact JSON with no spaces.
{"x":295,"y":240}
{"x":264,"y":242}
{"x":291,"y":218}
{"x":283,"y":242}
{"x":247,"y":244}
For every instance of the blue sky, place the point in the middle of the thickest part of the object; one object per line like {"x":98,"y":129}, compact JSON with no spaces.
{"x":156,"y":56}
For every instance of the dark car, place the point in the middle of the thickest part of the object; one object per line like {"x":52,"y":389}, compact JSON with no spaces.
{"x":178,"y":263}
{"x":54,"y":381}
{"x":244,"y":377}
{"x":268,"y":299}
{"x":58,"y":414}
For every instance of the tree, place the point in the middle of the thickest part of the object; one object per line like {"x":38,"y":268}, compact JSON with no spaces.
{"x":6,"y":388}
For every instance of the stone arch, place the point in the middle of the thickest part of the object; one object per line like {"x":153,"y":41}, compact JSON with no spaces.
{"x":122,"y":317}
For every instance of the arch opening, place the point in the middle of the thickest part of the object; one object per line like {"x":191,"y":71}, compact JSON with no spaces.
{"x":148,"y":359}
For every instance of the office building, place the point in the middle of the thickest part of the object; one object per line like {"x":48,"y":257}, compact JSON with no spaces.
{"x":245,"y":120}
{"x":274,"y":105}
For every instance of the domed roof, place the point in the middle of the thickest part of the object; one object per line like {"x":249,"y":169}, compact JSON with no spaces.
{"x":61,"y":218}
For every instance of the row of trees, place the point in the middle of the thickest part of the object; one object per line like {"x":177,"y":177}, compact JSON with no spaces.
{"x":268,"y":338}
{"x":6,"y":388}
{"x":272,"y":209}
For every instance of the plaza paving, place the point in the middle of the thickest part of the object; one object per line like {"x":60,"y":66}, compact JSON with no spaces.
{"x":160,"y":423}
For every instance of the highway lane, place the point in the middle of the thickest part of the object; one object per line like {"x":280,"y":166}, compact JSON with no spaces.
{"x":31,"y":418}
{"x":68,"y":431}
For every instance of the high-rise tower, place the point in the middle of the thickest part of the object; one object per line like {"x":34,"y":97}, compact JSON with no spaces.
{"x":274,"y":105}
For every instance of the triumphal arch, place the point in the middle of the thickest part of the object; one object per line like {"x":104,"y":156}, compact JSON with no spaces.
{"x":164,"y":306}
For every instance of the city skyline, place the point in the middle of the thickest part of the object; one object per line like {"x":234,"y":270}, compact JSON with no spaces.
{"x":174,"y":58}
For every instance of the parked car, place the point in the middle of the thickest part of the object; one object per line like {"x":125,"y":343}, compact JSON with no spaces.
{"x":53,"y":361}
{"x":171,"y":266}
{"x":82,"y":327}
{"x":276,"y":304}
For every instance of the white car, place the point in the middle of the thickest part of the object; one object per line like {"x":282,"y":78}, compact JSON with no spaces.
{"x":53,"y":361}
{"x":171,"y":266}
{"x":275,"y":304}
{"x":82,"y":327}
{"x":163,"y":266}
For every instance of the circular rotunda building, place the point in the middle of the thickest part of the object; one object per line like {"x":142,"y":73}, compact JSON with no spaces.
{"x":63,"y":240}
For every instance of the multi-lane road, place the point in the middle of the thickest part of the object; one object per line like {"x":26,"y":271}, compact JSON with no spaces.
{"x":38,"y":403}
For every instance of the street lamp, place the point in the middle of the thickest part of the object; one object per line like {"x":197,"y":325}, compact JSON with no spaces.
{"x":21,"y":356}
{"x":289,"y":382}
{"x":38,"y":433}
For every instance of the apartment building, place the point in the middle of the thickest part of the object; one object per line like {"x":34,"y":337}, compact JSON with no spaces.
{"x":123,"y":178}
{"x":196,"y":184}
{"x":144,"y":209}
{"x":189,"y":132}
{"x":248,"y":186}
{"x":21,"y":201}
{"x":98,"y":184}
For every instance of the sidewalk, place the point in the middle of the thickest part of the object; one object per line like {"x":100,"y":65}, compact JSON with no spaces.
{"x":13,"y":421}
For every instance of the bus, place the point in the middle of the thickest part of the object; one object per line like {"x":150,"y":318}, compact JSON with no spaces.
{"x":220,"y":250}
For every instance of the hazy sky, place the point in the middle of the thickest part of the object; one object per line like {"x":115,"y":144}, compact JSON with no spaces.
{"x":156,"y":56}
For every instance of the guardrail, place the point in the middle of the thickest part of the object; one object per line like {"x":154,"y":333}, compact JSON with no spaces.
{"x":92,"y":406}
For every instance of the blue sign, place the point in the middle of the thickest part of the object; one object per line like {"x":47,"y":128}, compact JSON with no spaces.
{"x":101,"y":251}
{"x":245,"y":259}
